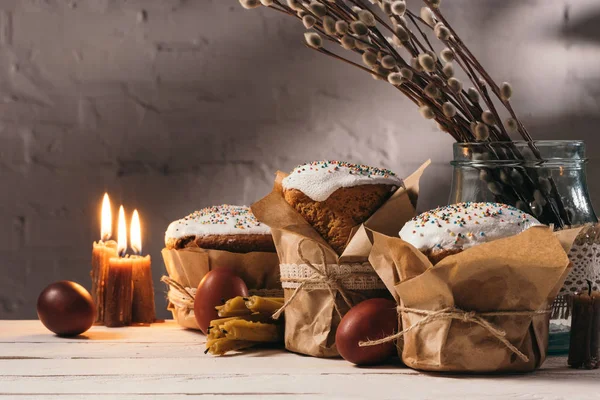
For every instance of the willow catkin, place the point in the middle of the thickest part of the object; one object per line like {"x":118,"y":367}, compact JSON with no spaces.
{"x":449,"y":110}
{"x":267,"y":3}
{"x":447,"y":55}
{"x":329,"y":25}
{"x":313,"y":39}
{"x":369,"y":58}
{"x":536,"y":208}
{"x":455,"y":85}
{"x":426,"y":112}
{"x":516,"y":177}
{"x":427,"y":62}
{"x":359,"y":28}
{"x":295,"y":5}
{"x":401,"y":34}
{"x":506,"y":91}
{"x":427,"y":16}
{"x":250,"y":4}
{"x":482,"y":132}
{"x":341,"y":27}
{"x":406,"y":73}
{"x":473,"y":95}
{"x":488,"y":117}
{"x":398,"y":8}
{"x":441,"y":32}
{"x":309,"y":21}
{"x":388,"y":62}
{"x":435,"y":3}
{"x":317,"y":8}
{"x":448,"y":69}
{"x":521,"y":205}
{"x":432,"y":90}
{"x":366,"y":17}
{"x":395,"y":78}
{"x":348,"y":42}
{"x":512,"y":125}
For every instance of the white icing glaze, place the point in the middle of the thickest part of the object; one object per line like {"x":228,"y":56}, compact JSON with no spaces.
{"x":319,"y":180}
{"x":217,"y":220}
{"x":463,"y":225}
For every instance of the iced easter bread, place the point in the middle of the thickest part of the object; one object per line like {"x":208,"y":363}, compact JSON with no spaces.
{"x":335,"y":196}
{"x":451,"y":229}
{"x":225,"y":227}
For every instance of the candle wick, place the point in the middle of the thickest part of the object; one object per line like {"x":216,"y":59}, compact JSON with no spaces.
{"x":589,"y":282}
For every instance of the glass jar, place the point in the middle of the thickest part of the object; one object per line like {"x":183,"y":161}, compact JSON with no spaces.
{"x":548,"y":180}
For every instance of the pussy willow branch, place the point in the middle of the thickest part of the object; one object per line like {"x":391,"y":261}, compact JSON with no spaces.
{"x":426,"y":81}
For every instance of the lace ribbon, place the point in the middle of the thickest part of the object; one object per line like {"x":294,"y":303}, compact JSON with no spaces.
{"x":333,"y":277}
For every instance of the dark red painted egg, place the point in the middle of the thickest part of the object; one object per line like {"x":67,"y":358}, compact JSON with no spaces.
{"x":370,"y":320}
{"x":66,"y":308}
{"x":220,"y":284}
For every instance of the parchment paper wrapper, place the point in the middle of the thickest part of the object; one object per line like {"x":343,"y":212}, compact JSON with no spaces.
{"x":187,"y":267}
{"x":313,"y":314}
{"x":519,"y":273}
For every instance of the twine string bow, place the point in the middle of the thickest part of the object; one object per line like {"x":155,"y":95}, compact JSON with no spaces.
{"x":319,"y":275}
{"x":187,"y":298}
{"x":464,"y":316}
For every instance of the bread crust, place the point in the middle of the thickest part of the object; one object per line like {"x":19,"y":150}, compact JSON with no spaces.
{"x":233,"y":243}
{"x":437,"y":256}
{"x":346,"y":208}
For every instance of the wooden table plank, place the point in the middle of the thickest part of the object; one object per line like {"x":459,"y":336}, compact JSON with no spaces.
{"x":385,"y":386}
{"x":146,"y":396}
{"x":35,"y":332}
{"x":167,"y":362}
{"x":106,"y":350}
{"x":268,"y":362}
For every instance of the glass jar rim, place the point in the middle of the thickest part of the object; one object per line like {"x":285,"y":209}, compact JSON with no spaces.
{"x":552,"y":153}
{"x":522,"y":142}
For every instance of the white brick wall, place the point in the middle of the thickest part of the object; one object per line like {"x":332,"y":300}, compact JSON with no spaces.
{"x":175,"y":105}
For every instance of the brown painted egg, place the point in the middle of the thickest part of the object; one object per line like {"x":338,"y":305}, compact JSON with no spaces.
{"x":218,"y":286}
{"x":66,"y":308}
{"x":370,"y":320}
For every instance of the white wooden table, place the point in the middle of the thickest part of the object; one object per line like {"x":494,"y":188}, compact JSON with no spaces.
{"x":167,"y":362}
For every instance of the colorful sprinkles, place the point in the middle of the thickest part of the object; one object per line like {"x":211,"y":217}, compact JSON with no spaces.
{"x":468,"y":216}
{"x":223,"y":215}
{"x":354,"y":169}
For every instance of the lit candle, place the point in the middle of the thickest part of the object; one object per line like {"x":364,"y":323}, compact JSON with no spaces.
{"x":119,"y":283}
{"x":143,"y":289}
{"x":102,"y":251}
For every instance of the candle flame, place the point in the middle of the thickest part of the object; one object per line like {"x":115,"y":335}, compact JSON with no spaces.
{"x":122,"y":233}
{"x":135,"y":232}
{"x":106,"y":219}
